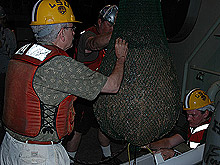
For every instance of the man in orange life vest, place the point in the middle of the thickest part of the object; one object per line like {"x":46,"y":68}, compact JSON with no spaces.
{"x":41,"y":84}
{"x":91,"y":50}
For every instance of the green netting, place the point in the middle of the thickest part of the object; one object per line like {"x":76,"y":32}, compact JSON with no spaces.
{"x":148,"y":103}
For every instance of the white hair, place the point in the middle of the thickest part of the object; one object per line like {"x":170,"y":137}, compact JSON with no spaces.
{"x":210,"y":108}
{"x":46,"y":34}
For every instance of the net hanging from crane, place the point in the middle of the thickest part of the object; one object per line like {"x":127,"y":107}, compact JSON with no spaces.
{"x":148,"y":103}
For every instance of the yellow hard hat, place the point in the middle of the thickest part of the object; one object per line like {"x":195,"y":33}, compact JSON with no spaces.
{"x":47,"y":12}
{"x":196,"y":99}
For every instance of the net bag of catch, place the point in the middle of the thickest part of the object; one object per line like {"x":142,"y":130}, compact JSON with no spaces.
{"x":148,"y":102}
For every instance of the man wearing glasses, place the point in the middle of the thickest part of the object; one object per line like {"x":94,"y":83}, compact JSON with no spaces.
{"x":41,"y":85}
{"x":199,"y":110}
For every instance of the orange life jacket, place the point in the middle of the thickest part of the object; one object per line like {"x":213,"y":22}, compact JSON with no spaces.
{"x":23,"y":110}
{"x":95,"y":64}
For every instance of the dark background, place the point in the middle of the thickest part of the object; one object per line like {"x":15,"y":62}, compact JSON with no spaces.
{"x":19,"y":14}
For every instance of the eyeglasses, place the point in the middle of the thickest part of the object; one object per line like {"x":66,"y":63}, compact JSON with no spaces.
{"x":73,"y":28}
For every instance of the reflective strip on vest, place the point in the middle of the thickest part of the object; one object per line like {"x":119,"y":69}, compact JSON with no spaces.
{"x":199,"y":128}
{"x":193,"y":144}
{"x":36,"y":51}
{"x":193,"y":131}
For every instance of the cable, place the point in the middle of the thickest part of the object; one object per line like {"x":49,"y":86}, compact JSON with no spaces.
{"x":129,"y":156}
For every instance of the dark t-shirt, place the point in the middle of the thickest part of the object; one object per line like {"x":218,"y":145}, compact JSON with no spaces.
{"x":81,"y":55}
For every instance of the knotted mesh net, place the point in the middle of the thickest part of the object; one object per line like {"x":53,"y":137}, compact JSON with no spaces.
{"x":148,"y":103}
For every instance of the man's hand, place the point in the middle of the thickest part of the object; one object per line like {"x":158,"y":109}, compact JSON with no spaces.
{"x":166,"y":153}
{"x":121,"y":49}
{"x":114,"y":80}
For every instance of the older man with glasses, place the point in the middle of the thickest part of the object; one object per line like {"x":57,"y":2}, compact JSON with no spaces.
{"x":43,"y":82}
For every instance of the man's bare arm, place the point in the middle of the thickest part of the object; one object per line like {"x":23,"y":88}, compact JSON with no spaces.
{"x":114,"y":80}
{"x":166,"y":142}
{"x":98,"y":42}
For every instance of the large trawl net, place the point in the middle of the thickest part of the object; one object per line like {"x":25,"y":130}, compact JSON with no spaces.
{"x":148,"y":103}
